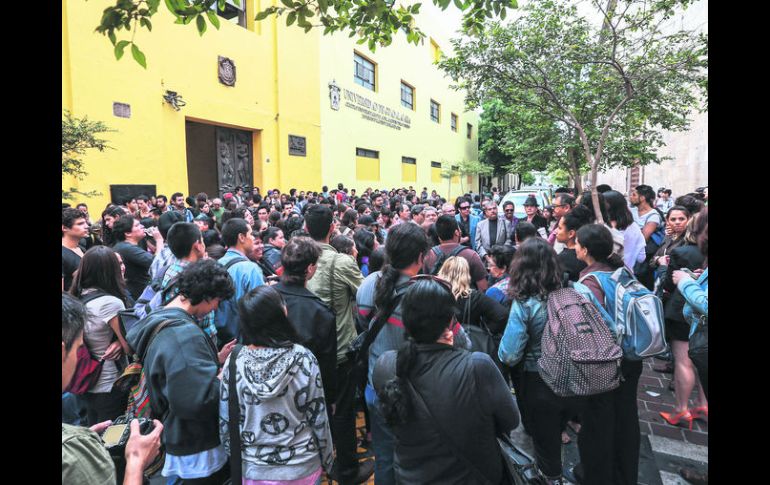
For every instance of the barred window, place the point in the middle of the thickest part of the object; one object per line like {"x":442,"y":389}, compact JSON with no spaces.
{"x":407,"y":96}
{"x":454,"y":122}
{"x":364,"y":72}
{"x":363,"y":152}
{"x":435,"y":111}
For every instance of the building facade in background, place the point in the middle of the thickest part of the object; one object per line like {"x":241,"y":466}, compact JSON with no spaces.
{"x":257,"y":103}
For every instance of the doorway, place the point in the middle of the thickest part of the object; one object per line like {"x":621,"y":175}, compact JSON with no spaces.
{"x":218,"y":158}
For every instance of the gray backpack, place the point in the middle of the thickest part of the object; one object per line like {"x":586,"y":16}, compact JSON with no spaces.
{"x":579,"y":356}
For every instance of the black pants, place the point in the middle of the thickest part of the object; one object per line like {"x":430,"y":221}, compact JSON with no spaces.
{"x":344,"y":424}
{"x":609,"y":438}
{"x":104,"y":405}
{"x":543,"y":411}
{"x":701,"y":364}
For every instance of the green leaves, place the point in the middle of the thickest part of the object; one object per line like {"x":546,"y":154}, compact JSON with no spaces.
{"x":213,"y":18}
{"x":119,"y":47}
{"x":200,"y":23}
{"x":138,"y":55}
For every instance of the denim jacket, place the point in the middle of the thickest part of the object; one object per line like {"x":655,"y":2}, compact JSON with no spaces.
{"x":524,"y":330}
{"x":696,"y":295}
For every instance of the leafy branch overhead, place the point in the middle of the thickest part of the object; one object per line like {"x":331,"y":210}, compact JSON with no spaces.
{"x":373,"y":21}
{"x":582,"y":95}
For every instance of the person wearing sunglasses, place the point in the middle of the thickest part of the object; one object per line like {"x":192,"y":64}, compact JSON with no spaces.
{"x":509,"y":219}
{"x":458,"y":401}
{"x":466,"y":221}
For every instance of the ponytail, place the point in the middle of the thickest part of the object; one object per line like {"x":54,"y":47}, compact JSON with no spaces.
{"x":395,"y":403}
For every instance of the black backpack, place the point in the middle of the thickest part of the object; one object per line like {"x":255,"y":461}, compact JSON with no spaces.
{"x":441,"y":257}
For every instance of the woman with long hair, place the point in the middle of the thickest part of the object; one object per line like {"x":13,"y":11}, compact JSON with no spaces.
{"x":535,"y":274}
{"x":445,"y":405}
{"x":686,"y":255}
{"x":620,"y":218}
{"x":280,"y":394}
{"x":348,"y":222}
{"x":99,"y":282}
{"x":366,"y":242}
{"x":474,"y":307}
{"x":611,"y":420}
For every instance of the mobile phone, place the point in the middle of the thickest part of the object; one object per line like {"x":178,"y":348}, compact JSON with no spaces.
{"x":692,"y":275}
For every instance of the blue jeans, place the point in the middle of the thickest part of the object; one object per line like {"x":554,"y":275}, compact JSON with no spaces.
{"x":383,"y":442}
{"x":72,"y":410}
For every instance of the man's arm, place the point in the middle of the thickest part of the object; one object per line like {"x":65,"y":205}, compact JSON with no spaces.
{"x":346,"y":270}
{"x":478,"y":244}
{"x":137,"y":256}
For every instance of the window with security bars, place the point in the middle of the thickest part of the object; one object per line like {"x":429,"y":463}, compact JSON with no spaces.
{"x":409,"y":160}
{"x":363,"y":152}
{"x":364,"y":72}
{"x":454,"y":122}
{"x":407,"y":96}
{"x":435,"y":111}
{"x":435,"y":165}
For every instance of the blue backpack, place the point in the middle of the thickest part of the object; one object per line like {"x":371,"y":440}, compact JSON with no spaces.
{"x":638,"y":313}
{"x":150,"y":299}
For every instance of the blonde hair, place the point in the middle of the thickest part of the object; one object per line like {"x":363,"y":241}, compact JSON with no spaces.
{"x":690,"y":236}
{"x":457,"y":272}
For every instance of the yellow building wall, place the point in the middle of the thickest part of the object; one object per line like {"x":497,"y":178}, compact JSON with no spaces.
{"x":344,"y":130}
{"x":408,"y":172}
{"x":368,"y":169}
{"x":274,"y":96}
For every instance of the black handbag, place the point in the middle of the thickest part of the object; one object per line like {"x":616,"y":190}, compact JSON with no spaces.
{"x":233,"y":425}
{"x":482,"y":339}
{"x":699,"y":342}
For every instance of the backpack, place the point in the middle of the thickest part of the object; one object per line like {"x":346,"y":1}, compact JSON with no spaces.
{"x":579,"y":356}
{"x":151,"y":298}
{"x":134,"y":381}
{"x":638,"y":313}
{"x":88,"y":369}
{"x":441,"y":257}
{"x":657,"y":237}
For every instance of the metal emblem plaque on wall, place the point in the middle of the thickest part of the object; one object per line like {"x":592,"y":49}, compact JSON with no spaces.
{"x":226,"y":71}
{"x":297,"y":146}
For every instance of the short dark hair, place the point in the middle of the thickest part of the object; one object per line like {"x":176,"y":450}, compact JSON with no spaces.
{"x":562,"y":190}
{"x":602,"y":188}
{"x":446,"y":226}
{"x":167,"y":220}
{"x":525,"y":230}
{"x":501,"y":255}
{"x":646,"y":192}
{"x":318,"y":219}
{"x":270,"y":233}
{"x":122,"y":226}
{"x":158,"y":197}
{"x":343,"y":244}
{"x":205,"y":280}
{"x":73,"y":320}
{"x":181,"y":238}
{"x":597,"y":240}
{"x":232,"y":229}
{"x":565,"y":198}
{"x":143,"y":198}
{"x":693,"y":204}
{"x":70,"y":215}
{"x":176,"y":194}
{"x":296,"y":256}
{"x":588,"y":201}
{"x":578,"y":217}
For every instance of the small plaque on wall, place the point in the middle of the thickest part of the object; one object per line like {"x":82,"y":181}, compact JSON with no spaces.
{"x":121,"y":110}
{"x":226,"y":71}
{"x":297,"y":146}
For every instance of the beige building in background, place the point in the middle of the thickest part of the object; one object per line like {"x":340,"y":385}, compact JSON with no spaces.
{"x":688,"y":168}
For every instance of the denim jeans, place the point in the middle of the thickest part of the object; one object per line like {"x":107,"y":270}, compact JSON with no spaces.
{"x":72,"y":410}
{"x":383,"y":443}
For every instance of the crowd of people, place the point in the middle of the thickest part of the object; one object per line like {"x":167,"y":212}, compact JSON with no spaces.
{"x":296,"y":311}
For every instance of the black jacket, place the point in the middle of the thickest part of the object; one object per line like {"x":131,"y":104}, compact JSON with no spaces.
{"x":685,"y":256}
{"x":479,"y":306}
{"x":316,"y":325}
{"x":538,"y":221}
{"x":181,"y":367}
{"x":468,"y":397}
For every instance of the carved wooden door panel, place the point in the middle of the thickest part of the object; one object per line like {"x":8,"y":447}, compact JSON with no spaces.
{"x":234,"y":163}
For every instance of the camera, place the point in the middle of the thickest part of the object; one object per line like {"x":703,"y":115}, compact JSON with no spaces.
{"x":116,"y":436}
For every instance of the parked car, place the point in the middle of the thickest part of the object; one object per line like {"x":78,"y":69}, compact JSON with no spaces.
{"x":542,"y":195}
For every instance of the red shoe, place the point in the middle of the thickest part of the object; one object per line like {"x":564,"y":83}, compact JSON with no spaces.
{"x":701,"y":412}
{"x":675,"y":419}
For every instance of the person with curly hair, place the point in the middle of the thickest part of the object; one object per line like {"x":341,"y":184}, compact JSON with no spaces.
{"x":182,"y":365}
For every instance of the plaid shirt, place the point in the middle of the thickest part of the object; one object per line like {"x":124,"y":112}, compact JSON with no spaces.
{"x":207,"y":322}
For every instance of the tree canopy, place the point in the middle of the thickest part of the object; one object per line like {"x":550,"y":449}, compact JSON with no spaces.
{"x":373,"y":21}
{"x":77,"y":136}
{"x":582,"y":95}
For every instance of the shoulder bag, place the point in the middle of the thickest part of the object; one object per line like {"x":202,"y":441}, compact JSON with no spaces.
{"x":519,"y":467}
{"x":234,"y":419}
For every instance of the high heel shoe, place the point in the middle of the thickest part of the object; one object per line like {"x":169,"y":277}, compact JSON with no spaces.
{"x":701,"y":412}
{"x":675,"y":418}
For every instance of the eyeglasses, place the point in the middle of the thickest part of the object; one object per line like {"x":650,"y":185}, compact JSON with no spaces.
{"x":508,"y":210}
{"x":464,"y":207}
{"x":559,"y":205}
{"x":426,"y":277}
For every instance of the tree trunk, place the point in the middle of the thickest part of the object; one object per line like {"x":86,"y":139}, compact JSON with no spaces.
{"x":595,"y":194}
{"x":574,"y":170}
{"x":518,"y":181}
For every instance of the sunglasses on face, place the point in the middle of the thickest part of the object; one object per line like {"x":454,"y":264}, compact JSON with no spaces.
{"x":508,"y":210}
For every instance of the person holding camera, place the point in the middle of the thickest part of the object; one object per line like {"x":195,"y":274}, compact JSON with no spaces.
{"x":83,"y":455}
